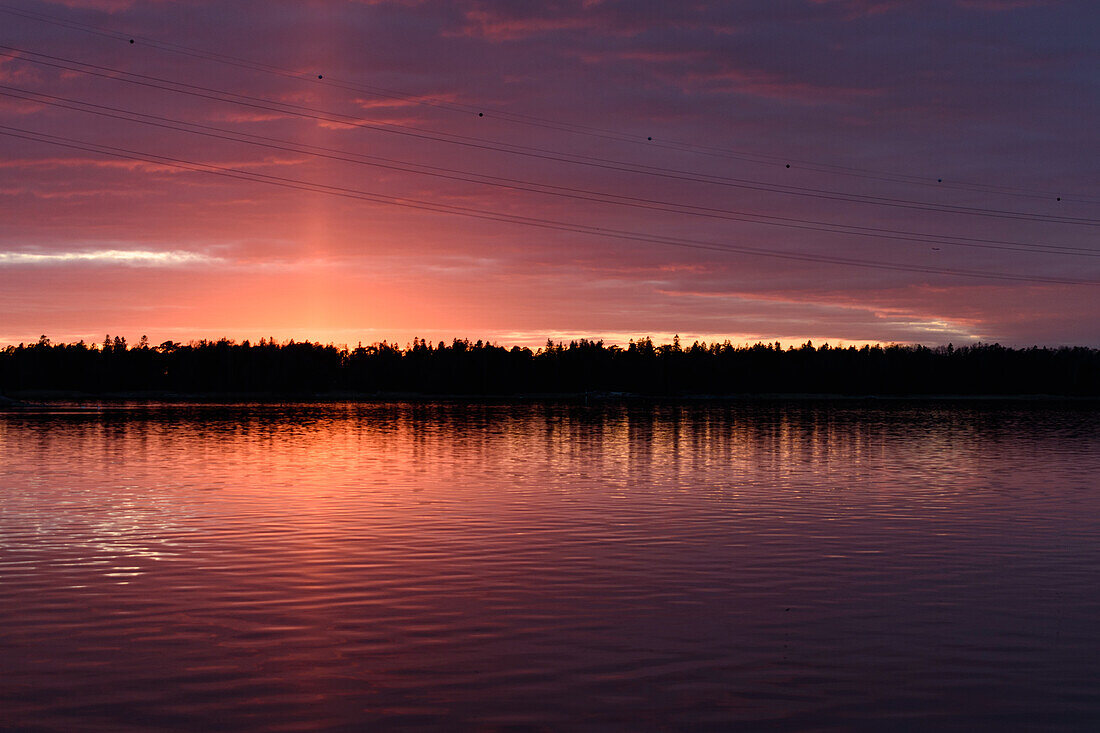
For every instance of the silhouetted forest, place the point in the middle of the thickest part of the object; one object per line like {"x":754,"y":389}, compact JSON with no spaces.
{"x":480,"y":368}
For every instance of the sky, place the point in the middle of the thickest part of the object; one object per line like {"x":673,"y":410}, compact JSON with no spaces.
{"x":842,"y":171}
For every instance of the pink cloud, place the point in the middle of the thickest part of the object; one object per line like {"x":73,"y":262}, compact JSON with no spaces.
{"x":769,"y":86}
{"x":246,"y":117}
{"x":398,"y":3}
{"x":55,"y":194}
{"x":494,"y":27}
{"x":663,"y":56}
{"x":11,"y":70}
{"x":12,"y":105}
{"x":412,"y":101}
{"x":862,"y":8}
{"x":141,"y":165}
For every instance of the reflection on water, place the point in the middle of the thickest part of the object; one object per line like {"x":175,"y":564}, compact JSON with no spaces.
{"x":304,"y":567}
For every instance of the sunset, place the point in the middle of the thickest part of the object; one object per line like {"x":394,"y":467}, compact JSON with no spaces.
{"x":610,"y":365}
{"x":850,"y":172}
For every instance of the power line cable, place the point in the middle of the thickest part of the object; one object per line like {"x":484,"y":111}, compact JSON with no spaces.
{"x":603,"y":163}
{"x":529,"y":186}
{"x":345,"y":192}
{"x":532,"y":120}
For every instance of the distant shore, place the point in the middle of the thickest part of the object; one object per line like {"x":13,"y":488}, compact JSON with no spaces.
{"x":225,"y":371}
{"x":31,"y":400}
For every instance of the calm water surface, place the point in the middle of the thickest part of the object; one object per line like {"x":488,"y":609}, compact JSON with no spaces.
{"x":817,"y":566}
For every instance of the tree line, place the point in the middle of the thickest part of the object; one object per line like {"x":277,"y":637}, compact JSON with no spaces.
{"x":463,"y":367}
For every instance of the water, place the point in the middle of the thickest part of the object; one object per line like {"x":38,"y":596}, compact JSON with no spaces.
{"x":799,"y":566}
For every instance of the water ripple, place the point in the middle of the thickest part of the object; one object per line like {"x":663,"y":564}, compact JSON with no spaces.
{"x":817,"y":566}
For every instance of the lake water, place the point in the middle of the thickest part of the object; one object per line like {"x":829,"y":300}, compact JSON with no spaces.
{"x":787,"y":566}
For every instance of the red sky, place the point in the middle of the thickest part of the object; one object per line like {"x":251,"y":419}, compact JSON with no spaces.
{"x":870,"y":102}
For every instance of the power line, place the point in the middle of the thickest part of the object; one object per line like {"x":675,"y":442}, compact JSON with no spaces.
{"x":543,"y":122}
{"x":529,"y":186}
{"x":295,"y":184}
{"x":540,"y":153}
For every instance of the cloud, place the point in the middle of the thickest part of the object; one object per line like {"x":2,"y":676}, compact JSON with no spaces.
{"x":48,"y":194}
{"x":407,"y":101}
{"x":971,"y":90}
{"x":769,"y":86}
{"x":246,"y":117}
{"x":1001,"y":5}
{"x":139,"y":258}
{"x":853,"y":9}
{"x":494,"y":27}
{"x":149,"y":166}
{"x":398,"y":3}
{"x":107,"y":6}
{"x":14,"y":71}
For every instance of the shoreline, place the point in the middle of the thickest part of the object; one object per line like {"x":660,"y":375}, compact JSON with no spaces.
{"x":24,"y":401}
